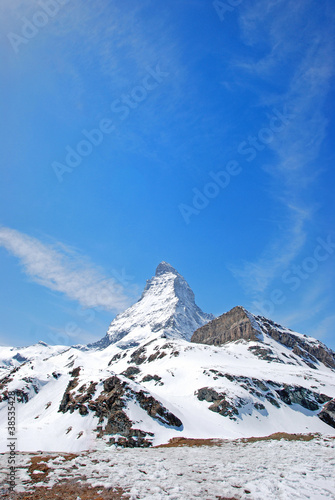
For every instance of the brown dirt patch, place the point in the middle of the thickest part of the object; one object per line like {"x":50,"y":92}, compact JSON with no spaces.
{"x":39,"y":470}
{"x":69,"y":490}
{"x":180,"y":441}
{"x":226,"y":498}
{"x":277,"y":436}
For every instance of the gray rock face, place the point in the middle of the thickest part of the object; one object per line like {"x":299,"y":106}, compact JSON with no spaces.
{"x":238,"y":324}
{"x":233,"y":325}
{"x":310,"y":352}
{"x":327,"y":414}
{"x":260,"y":391}
{"x":300,"y":395}
{"x":221,"y":404}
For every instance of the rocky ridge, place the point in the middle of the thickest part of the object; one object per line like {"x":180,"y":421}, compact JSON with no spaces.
{"x":240,"y":324}
{"x":241,"y":375}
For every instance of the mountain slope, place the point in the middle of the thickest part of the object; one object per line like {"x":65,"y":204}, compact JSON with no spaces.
{"x":239,"y":323}
{"x":163,"y":388}
{"x":241,"y":375}
{"x":13,"y":357}
{"x":166,"y":307}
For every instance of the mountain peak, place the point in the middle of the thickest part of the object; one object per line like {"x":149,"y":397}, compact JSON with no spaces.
{"x":165,"y":267}
{"x":166,"y":308}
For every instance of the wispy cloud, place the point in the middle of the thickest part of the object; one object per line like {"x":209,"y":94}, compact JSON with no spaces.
{"x":116,"y":42}
{"x":256,"y":276}
{"x":61,"y":269}
{"x":305,"y":57}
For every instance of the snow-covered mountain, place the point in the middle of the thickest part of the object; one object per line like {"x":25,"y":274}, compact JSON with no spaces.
{"x":13,"y":357}
{"x":166,"y":369}
{"x":166,"y":308}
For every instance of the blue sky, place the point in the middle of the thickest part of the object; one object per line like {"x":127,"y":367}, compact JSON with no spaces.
{"x":199,"y":133}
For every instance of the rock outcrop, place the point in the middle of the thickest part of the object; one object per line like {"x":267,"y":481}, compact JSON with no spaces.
{"x":258,"y":392}
{"x":239,"y":324}
{"x":111,"y":406}
{"x":310,"y":350}
{"x":327,"y":414}
{"x":234,"y":325}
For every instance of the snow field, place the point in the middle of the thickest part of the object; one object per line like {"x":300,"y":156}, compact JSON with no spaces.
{"x":270,"y":470}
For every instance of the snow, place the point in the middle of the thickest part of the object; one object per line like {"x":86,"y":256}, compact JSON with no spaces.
{"x":12,"y":357}
{"x":159,"y":325}
{"x":181,"y":376}
{"x":166,"y":306}
{"x":264,"y":469}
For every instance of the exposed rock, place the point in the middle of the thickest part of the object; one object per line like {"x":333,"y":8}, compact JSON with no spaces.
{"x":300,"y":395}
{"x":75,"y":372}
{"x":138,"y":356}
{"x":157,"y":355}
{"x":131,"y":372}
{"x":8,"y":378}
{"x":156,"y":378}
{"x":21,"y":396}
{"x":68,"y":401}
{"x":19,"y":358}
{"x":327,"y":414}
{"x":233,"y":325}
{"x":83,"y":410}
{"x":273,"y":392}
{"x":221,"y":403}
{"x":207,"y":394}
{"x":5,"y":381}
{"x":137,"y":440}
{"x":111,"y":405}
{"x":156,"y":410}
{"x":239,"y":324}
{"x":271,"y":398}
{"x":116,"y":357}
{"x":264,"y":353}
{"x":308,"y":351}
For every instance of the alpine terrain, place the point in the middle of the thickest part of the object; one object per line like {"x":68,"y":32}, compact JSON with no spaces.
{"x":165,"y":369}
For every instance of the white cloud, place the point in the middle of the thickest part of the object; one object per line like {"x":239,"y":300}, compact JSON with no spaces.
{"x":61,"y":269}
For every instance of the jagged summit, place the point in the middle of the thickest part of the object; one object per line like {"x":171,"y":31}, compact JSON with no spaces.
{"x":166,"y":308}
{"x":165,"y":267}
